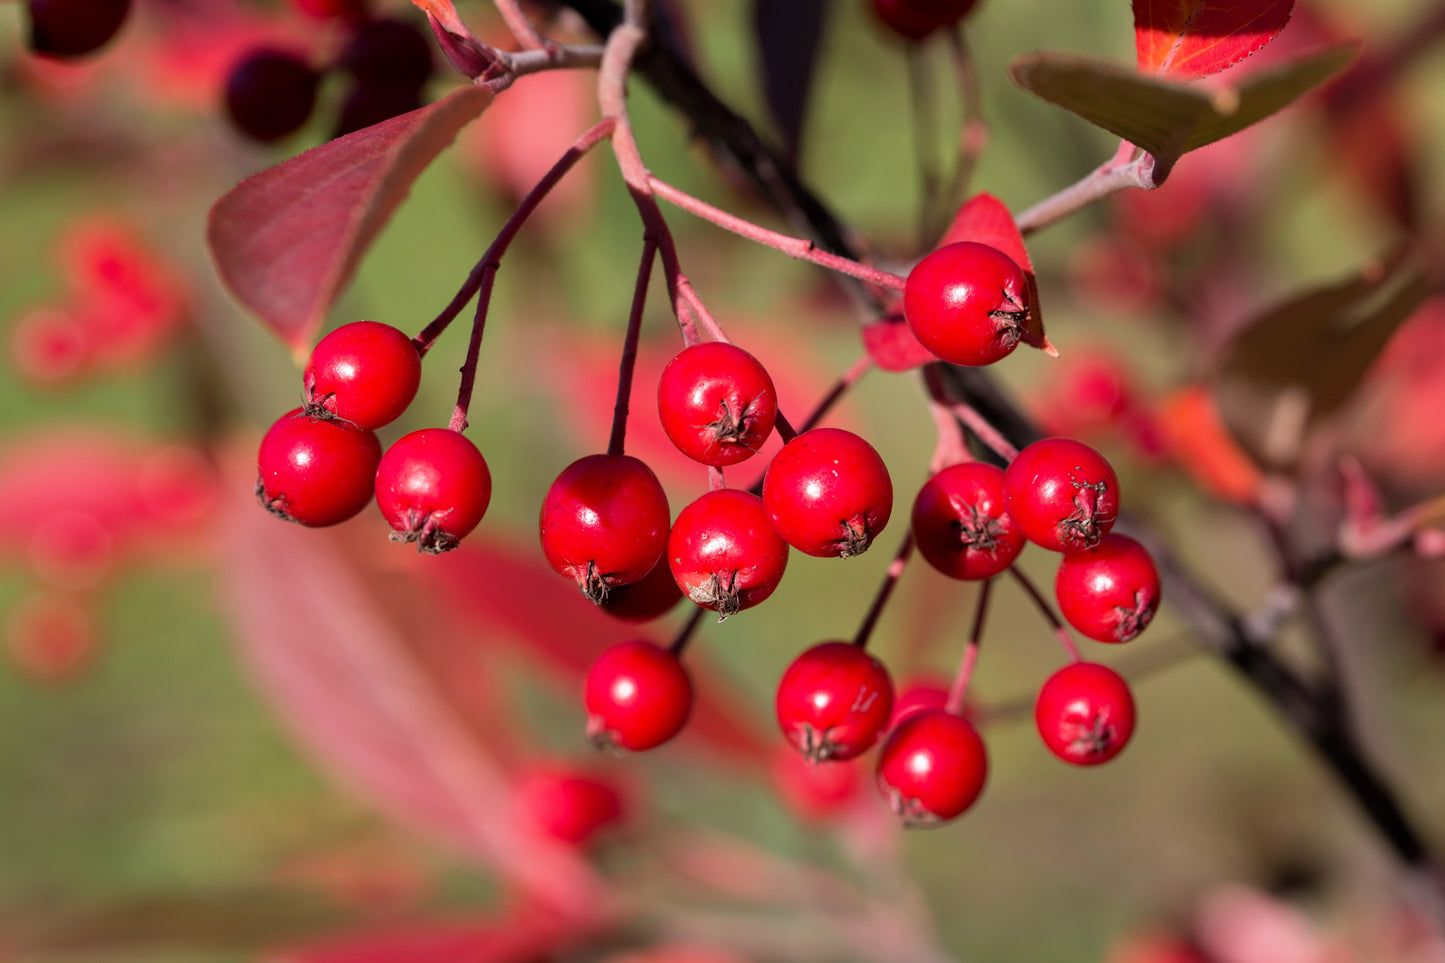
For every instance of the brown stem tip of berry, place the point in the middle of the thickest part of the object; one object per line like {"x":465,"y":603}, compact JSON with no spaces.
{"x":815,"y":746}
{"x":910,"y":812}
{"x":593,"y":584}
{"x":856,"y":537}
{"x":425,"y":533}
{"x":715,"y":594}
{"x":276,"y":506}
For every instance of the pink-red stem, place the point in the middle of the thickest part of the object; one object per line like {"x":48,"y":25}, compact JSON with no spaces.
{"x":1048,"y":611}
{"x":959,"y":690}
{"x":890,"y":580}
{"x":629,"y":349}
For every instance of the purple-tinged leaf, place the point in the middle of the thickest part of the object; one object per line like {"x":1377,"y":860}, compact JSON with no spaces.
{"x":787,"y":33}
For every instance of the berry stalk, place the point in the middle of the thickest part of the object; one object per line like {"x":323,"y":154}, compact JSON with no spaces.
{"x":1047,"y":610}
{"x":890,"y":581}
{"x":629,"y":348}
{"x":959,"y":689}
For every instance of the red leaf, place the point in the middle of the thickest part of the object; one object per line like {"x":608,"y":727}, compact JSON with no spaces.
{"x":1185,"y":39}
{"x":983,"y":218}
{"x":516,"y":940}
{"x":286,"y":240}
{"x":891,"y":344}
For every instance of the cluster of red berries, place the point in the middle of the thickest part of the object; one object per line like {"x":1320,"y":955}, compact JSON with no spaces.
{"x":322,"y":463}
{"x":73,"y":28}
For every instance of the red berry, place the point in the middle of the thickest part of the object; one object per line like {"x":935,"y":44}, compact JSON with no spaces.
{"x":367,"y":105}
{"x":834,"y":701}
{"x":315,"y":472}
{"x":270,"y":93}
{"x":828,"y":493}
{"x":1061,"y":494}
{"x":723,"y":552}
{"x":638,"y":696}
{"x":916,"y":695}
{"x":1109,"y":592}
{"x":388,"y":53}
{"x":364,"y":372}
{"x":604,"y":522}
{"x":932,"y":768}
{"x":650,"y":597}
{"x":433,"y":487}
{"x":959,"y":523}
{"x":967,"y":303}
{"x":73,"y":28}
{"x":815,"y":790}
{"x":1085,"y":713}
{"x":717,"y":403}
{"x":328,"y":9}
{"x":570,"y":805}
{"x":916,"y":19}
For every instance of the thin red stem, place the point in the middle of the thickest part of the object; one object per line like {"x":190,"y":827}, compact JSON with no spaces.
{"x":950,"y":449}
{"x":967,"y":414}
{"x":785,"y":428}
{"x":1048,"y":611}
{"x":474,"y":350}
{"x":684,"y":634}
{"x":715,"y":480}
{"x":890,"y":581}
{"x":840,"y":387}
{"x":973,"y":131}
{"x":959,"y":691}
{"x":629,"y":349}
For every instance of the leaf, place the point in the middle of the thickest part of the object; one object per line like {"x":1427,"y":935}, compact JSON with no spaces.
{"x":1302,"y":359}
{"x":985,"y":219}
{"x":787,"y":33}
{"x":891,"y":344}
{"x":1165,"y":118}
{"x":287,"y":240}
{"x":521,"y":939}
{"x":1194,"y":38}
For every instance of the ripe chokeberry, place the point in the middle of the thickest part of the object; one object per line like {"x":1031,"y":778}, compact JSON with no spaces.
{"x":270,"y":93}
{"x":833,"y":701}
{"x":638,"y":696}
{"x":916,"y":19}
{"x":827,"y":493}
{"x":967,"y":303}
{"x":364,"y":372}
{"x":932,"y":768}
{"x":1061,"y":494}
{"x":315,"y":472}
{"x":433,"y":486}
{"x":568,"y":803}
{"x":1109,"y":592}
{"x":1085,"y":713}
{"x":604,"y":522}
{"x":74,"y":28}
{"x":723,"y":552}
{"x":648,"y":598}
{"x":717,"y":404}
{"x":959,"y":522}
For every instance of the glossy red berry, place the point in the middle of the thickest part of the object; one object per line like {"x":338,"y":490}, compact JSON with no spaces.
{"x":74,"y":28}
{"x":828,"y":493}
{"x":723,"y":552}
{"x":569,"y":804}
{"x":638,"y":696}
{"x":1061,"y":494}
{"x":959,"y":522}
{"x":433,"y":487}
{"x":1085,"y":713}
{"x":1109,"y":592}
{"x":364,"y":372}
{"x":834,"y":701}
{"x":315,"y":472}
{"x":932,"y":768}
{"x":916,"y":19}
{"x":270,"y":94}
{"x":717,"y":403}
{"x":967,"y":303}
{"x":388,"y":53}
{"x":650,"y":597}
{"x":604,"y":522}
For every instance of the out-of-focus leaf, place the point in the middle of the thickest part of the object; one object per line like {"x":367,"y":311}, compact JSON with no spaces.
{"x":787,"y":33}
{"x":521,"y":939}
{"x":984,"y":218}
{"x":1193,"y":38}
{"x":1302,"y":359}
{"x":286,"y":240}
{"x":1165,"y":118}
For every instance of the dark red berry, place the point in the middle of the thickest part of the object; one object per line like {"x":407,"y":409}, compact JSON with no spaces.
{"x":604,"y":523}
{"x":815,"y":790}
{"x":638,"y":696}
{"x":916,"y":19}
{"x":1085,"y":713}
{"x":364,"y":372}
{"x":834,"y":701}
{"x":1109,"y":592}
{"x":433,"y":487}
{"x":650,"y":597}
{"x":315,"y":472}
{"x":569,"y":804}
{"x":388,"y":53}
{"x":959,"y":523}
{"x":270,"y":93}
{"x":723,"y":552}
{"x":1061,"y":494}
{"x":918,"y":694}
{"x":73,"y":28}
{"x":932,"y":768}
{"x":716,"y":403}
{"x":967,"y":303}
{"x":331,"y":9}
{"x":366,"y":105}
{"x":828,"y":493}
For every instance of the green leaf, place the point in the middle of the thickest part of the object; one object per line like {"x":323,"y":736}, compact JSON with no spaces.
{"x":1165,"y":118}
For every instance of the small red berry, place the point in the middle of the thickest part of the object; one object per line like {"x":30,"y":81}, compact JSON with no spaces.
{"x":1085,"y":713}
{"x":959,"y":522}
{"x":834,"y":701}
{"x":932,"y":768}
{"x":967,"y":303}
{"x":73,"y":28}
{"x":315,"y":472}
{"x":717,"y":404}
{"x":650,"y":597}
{"x":433,"y":487}
{"x":723,"y":552}
{"x":916,"y":19}
{"x":364,"y":372}
{"x":828,"y":493}
{"x":604,"y":523}
{"x":388,"y":53}
{"x":1061,"y":494}
{"x":918,"y":694}
{"x":270,"y":94}
{"x":1109,"y":592}
{"x":638,"y":696}
{"x":570,"y":805}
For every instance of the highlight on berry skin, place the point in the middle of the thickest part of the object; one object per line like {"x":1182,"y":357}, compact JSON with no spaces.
{"x":932,"y":768}
{"x":1061,"y":494}
{"x":1085,"y":714}
{"x":960,"y":525}
{"x":315,"y":472}
{"x":828,"y":493}
{"x":638,"y":696}
{"x":717,"y":403}
{"x":967,"y":303}
{"x":1109,"y":592}
{"x":834,"y":701}
{"x":433,"y":487}
{"x":724,"y":553}
{"x":365,"y":373}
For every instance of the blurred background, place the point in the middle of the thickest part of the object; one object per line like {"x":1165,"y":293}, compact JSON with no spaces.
{"x":226,"y":738}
